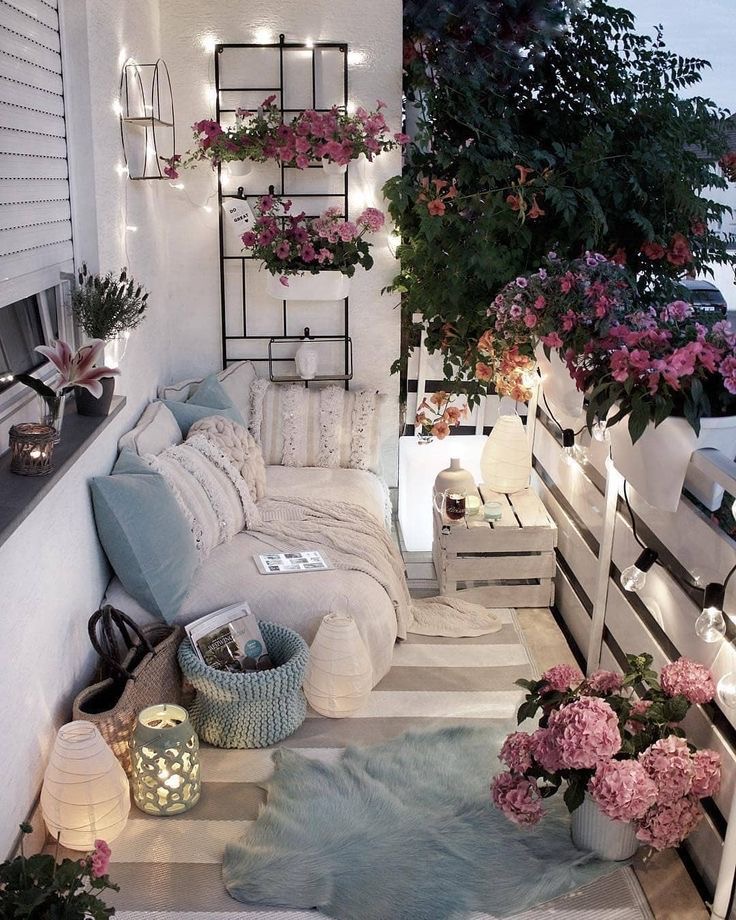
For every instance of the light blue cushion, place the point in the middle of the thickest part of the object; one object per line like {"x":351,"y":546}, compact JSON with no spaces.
{"x":145,"y":535}
{"x":209,"y":398}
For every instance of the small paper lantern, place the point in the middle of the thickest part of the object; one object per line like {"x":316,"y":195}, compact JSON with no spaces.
{"x":85,"y":794}
{"x":506,"y":461}
{"x":31,"y":449}
{"x":339,"y":674}
{"x":164,"y":751}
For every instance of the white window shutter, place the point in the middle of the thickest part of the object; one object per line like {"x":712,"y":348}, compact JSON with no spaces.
{"x":35,"y":220}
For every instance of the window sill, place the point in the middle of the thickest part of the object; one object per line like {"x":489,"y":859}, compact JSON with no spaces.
{"x":19,"y":495}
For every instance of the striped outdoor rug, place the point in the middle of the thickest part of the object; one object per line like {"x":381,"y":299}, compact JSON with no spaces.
{"x":169,"y":868}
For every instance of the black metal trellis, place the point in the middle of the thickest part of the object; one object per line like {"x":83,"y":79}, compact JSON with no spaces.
{"x":283,"y":334}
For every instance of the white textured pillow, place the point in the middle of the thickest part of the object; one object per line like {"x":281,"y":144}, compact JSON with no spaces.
{"x":156,"y":430}
{"x":329,"y":427}
{"x":235,"y":379}
{"x":240,"y":447}
{"x":212,"y":494}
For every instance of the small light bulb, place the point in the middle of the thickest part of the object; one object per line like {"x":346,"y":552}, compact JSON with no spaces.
{"x":309,"y":43}
{"x":710,"y":625}
{"x":733,"y":508}
{"x":393,"y":241}
{"x":530,"y":378}
{"x":207,"y":208}
{"x":176,"y":185}
{"x":263,"y":35}
{"x":634,"y":577}
{"x":726,"y":690}
{"x":131,"y":228}
{"x":117,"y":108}
{"x":121,"y":169}
{"x":571,"y":453}
{"x":208,"y":43}
{"x":599,"y":430}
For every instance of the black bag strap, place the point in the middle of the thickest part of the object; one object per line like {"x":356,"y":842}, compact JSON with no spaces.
{"x":111,"y":621}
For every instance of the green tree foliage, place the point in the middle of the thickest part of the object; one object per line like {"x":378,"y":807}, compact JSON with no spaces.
{"x":614,"y":157}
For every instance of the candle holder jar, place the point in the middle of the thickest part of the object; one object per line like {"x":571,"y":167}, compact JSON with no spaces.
{"x":31,"y":449}
{"x":164,"y":752}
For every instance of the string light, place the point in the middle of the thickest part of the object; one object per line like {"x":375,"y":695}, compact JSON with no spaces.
{"x":309,"y":43}
{"x":208,"y":43}
{"x":131,"y":228}
{"x":117,"y":107}
{"x":121,"y":169}
{"x":263,"y":35}
{"x":393,"y":241}
{"x":572,"y":453}
{"x":710,"y":626}
{"x":726,"y":690}
{"x":634,"y":577}
{"x":600,"y":431}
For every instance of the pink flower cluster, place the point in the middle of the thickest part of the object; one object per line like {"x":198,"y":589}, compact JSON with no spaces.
{"x":689,"y":679}
{"x":585,"y":733}
{"x":518,"y":798}
{"x":100,"y":859}
{"x":622,"y":789}
{"x":291,"y":242}
{"x":561,"y":677}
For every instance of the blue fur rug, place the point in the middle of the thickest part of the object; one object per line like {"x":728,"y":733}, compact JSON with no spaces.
{"x":402,"y":831}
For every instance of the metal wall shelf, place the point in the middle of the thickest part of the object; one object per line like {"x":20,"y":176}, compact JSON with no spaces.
{"x":234,"y":298}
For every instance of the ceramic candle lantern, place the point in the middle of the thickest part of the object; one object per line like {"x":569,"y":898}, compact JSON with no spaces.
{"x":164,"y":751}
{"x":85,"y":794}
{"x":506,"y":461}
{"x":339,"y":675}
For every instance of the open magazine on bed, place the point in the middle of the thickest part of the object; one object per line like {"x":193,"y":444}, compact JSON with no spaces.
{"x":230,"y":639}
{"x":306,"y":560}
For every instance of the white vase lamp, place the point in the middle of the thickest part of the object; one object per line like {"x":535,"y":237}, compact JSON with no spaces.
{"x":506,"y":461}
{"x":609,"y":839}
{"x":85,"y":794}
{"x":306,"y":358}
{"x":339,"y":675}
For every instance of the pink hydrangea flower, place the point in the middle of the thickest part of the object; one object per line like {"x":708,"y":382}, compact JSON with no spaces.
{"x":544,"y":750}
{"x":100,"y":859}
{"x":670,"y":765}
{"x":605,"y":681}
{"x":562,"y":677}
{"x":706,"y":773}
{"x":586,"y":733}
{"x":518,"y":798}
{"x":668,"y":824}
{"x":516,"y":752}
{"x":622,"y":789}
{"x":637,"y":711}
{"x":692,"y":680}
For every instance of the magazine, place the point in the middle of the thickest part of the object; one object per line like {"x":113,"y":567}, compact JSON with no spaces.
{"x":307,"y":560}
{"x":230,"y":639}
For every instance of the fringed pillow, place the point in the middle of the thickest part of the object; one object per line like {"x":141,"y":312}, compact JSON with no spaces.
{"x":329,"y":427}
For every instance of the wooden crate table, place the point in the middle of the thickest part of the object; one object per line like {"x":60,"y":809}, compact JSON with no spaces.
{"x":513,"y":558}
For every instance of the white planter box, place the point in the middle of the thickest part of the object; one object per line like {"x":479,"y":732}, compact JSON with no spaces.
{"x":306,"y":286}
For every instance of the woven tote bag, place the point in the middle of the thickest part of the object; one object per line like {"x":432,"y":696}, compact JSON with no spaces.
{"x":254,"y":709}
{"x":137,"y":668}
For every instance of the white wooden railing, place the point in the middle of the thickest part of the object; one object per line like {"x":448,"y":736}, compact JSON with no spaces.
{"x":595,"y":543}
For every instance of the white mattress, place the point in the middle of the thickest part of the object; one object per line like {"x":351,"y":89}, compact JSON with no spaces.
{"x":299,"y":601}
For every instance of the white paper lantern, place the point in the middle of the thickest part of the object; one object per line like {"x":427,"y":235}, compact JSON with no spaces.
{"x":85,"y":794}
{"x":339,"y":674}
{"x":506,"y":461}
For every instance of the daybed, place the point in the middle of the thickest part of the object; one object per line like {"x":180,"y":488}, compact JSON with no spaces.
{"x":336,"y":432}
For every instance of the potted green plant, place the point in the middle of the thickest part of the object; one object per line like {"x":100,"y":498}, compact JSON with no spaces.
{"x":38,"y":887}
{"x":107,"y":307}
{"x":310,"y":259}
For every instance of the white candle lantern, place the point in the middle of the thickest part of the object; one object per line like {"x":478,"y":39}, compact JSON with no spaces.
{"x":85,"y":794}
{"x":164,"y":751}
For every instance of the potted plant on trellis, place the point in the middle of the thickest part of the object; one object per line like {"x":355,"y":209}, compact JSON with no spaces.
{"x":107,"y":307}
{"x":310,"y":259}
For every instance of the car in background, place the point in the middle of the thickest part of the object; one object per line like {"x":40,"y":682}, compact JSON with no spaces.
{"x":705,"y":297}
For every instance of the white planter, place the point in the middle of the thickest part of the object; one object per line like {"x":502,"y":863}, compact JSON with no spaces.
{"x":506,"y":461}
{"x":85,"y":792}
{"x":557,"y":385}
{"x":656,"y":466}
{"x":240,"y":168}
{"x":592,"y":830}
{"x":339,"y":675}
{"x":334,"y":169}
{"x":325,"y":285}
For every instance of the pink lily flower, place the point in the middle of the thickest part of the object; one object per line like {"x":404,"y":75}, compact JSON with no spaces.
{"x":76,"y":369}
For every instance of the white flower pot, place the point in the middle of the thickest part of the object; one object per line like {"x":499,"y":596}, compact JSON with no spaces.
{"x":656,"y":466}
{"x":333,"y":169}
{"x":592,"y":830}
{"x":240,"y":168}
{"x":339,"y":675}
{"x":506,"y":461}
{"x":557,"y":385}
{"x":326,"y":285}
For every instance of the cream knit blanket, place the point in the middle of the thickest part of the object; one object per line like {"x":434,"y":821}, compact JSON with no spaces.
{"x":354,"y":540}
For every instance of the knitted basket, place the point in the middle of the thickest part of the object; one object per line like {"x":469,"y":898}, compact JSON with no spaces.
{"x":253,"y":710}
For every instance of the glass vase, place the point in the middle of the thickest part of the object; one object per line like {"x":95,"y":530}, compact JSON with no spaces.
{"x":51,"y":412}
